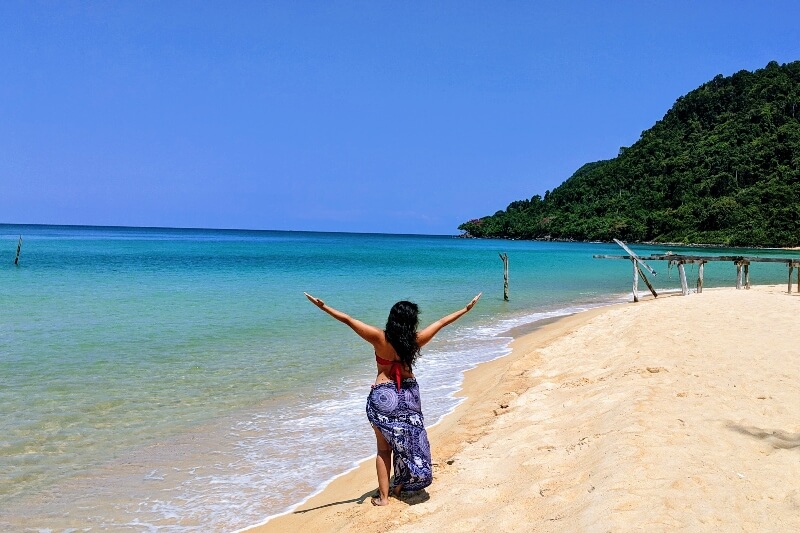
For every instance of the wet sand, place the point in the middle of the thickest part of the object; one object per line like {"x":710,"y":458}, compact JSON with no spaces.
{"x":676,"y":413}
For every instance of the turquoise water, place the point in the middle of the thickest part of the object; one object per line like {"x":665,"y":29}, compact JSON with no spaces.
{"x":178,"y":379}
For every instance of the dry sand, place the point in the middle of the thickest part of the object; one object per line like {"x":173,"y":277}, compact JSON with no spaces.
{"x":681,"y":413}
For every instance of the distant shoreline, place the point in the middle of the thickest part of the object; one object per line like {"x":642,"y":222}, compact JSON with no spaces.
{"x":647,"y":243}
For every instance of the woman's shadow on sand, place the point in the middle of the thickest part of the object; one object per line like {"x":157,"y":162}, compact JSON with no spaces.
{"x":409,"y":498}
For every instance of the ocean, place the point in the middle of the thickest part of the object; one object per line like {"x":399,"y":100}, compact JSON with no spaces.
{"x":178,"y":380}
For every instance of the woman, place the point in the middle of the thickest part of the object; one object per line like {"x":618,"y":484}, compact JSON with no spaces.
{"x":393,"y":406}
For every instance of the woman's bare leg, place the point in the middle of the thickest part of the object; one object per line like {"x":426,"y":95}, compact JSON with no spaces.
{"x":383,"y":461}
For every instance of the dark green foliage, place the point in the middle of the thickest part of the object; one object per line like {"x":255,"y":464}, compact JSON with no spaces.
{"x":721,"y":167}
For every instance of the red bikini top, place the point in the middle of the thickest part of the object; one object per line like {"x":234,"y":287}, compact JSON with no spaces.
{"x":395,"y":371}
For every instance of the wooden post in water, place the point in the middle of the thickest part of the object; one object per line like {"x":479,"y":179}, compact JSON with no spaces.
{"x":700,"y":277}
{"x":747,"y":276}
{"x":19,"y":247}
{"x":684,"y":283}
{"x":504,"y":257}
{"x":795,"y":264}
{"x":738,"y":275}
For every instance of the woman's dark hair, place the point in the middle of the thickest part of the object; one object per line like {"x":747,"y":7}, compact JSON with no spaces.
{"x":401,"y":331}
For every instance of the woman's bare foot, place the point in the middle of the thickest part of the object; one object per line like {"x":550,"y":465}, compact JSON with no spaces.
{"x":396,"y":491}
{"x":378,"y":502}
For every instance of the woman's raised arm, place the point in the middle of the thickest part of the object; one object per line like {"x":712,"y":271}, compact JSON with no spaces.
{"x":424,"y":336}
{"x":371,"y":334}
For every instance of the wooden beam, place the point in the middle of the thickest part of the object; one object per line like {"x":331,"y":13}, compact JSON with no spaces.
{"x":652,"y":290}
{"x":635,"y":281}
{"x":687,"y":259}
{"x":635,"y":257}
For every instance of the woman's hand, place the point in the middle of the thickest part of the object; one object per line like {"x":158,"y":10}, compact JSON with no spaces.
{"x":472,"y":303}
{"x":316,"y":301}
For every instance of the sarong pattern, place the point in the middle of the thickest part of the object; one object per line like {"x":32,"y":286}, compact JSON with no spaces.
{"x":398,"y":416}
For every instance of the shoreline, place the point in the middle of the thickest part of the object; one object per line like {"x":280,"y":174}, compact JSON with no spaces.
{"x":367,"y":462}
{"x":475,"y":379}
{"x":498,"y":392}
{"x":513,"y":333}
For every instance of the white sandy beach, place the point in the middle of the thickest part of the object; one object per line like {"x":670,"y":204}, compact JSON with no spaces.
{"x":679,"y":413}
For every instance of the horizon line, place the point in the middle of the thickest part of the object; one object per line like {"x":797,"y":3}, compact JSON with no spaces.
{"x":195,"y":228}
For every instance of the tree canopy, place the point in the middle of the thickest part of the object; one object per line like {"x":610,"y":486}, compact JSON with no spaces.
{"x":722,"y":167}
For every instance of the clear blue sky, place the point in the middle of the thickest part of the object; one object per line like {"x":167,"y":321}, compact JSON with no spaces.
{"x":398,"y":117}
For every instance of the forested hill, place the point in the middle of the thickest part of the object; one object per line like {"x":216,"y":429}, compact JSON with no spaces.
{"x":721,"y":167}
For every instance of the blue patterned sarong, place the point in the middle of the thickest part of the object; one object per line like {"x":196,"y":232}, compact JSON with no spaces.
{"x":398,"y":416}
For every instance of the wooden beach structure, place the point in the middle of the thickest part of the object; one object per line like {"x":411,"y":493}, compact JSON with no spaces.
{"x":741,"y":262}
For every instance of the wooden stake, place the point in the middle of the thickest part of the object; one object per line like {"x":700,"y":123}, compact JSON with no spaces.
{"x":700,"y":277}
{"x":19,"y":247}
{"x":747,"y":276}
{"x":504,"y":257}
{"x":738,"y":275}
{"x":791,"y":268}
{"x":635,"y":281}
{"x":684,"y":284}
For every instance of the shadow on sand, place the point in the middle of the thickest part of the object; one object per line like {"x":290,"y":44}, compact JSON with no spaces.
{"x":409,"y":498}
{"x":775,"y":437}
